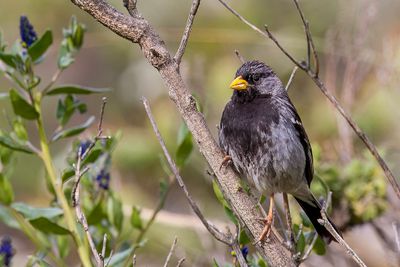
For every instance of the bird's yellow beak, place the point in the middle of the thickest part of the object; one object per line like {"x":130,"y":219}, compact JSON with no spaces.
{"x":239,"y":83}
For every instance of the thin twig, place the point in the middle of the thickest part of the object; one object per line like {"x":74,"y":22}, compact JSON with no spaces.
{"x":310,"y":247}
{"x":130,"y":5}
{"x":99,"y":257}
{"x":79,"y":213}
{"x":211,"y":228}
{"x":396,"y":234}
{"x":134,"y":260}
{"x":290,"y":241}
{"x":103,"y":251}
{"x":171,"y":251}
{"x":314,"y":76}
{"x":180,"y":262}
{"x":52,"y":81}
{"x":291,"y":78}
{"x":239,"y":56}
{"x":239,"y":255}
{"x":310,"y":42}
{"x":325,"y":222}
{"x":185,"y":37}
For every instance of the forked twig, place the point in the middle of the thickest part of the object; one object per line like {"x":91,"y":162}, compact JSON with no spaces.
{"x":99,"y":257}
{"x":219,"y":235}
{"x":185,"y":37}
{"x":171,"y":251}
{"x":325,"y":222}
{"x":314,"y":76}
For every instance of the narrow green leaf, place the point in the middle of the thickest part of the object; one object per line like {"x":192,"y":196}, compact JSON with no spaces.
{"x":215,"y":263}
{"x":8,"y":59}
{"x":93,"y":156}
{"x":20,"y":130}
{"x":7,"y":218}
{"x":21,"y":107}
{"x":301,"y":244}
{"x":7,"y":141}
{"x":40,"y":46}
{"x":118,"y":215}
{"x":72,"y":131}
{"x":67,"y":173}
{"x":6,"y":191}
{"x":231,"y":216}
{"x":319,"y":247}
{"x":136,"y":220}
{"x":48,"y":227}
{"x":219,"y":194}
{"x":76,"y":89}
{"x":243,"y":238}
{"x":32,"y":213}
{"x":119,"y":258}
{"x":97,"y":214}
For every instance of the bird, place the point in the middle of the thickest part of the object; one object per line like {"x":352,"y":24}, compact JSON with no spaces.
{"x":263,"y":136}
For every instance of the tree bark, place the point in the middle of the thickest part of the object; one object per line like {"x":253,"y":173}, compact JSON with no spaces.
{"x":136,"y":29}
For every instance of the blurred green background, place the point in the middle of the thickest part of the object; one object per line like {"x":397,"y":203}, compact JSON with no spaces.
{"x":359,"y":47}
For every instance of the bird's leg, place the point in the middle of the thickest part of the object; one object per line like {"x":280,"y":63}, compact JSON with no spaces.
{"x":268,"y":220}
{"x":227,"y":160}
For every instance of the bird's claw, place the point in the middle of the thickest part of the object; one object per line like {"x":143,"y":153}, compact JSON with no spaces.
{"x":225,"y":162}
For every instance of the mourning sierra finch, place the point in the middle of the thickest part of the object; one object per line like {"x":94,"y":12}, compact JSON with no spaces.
{"x":263,"y":135}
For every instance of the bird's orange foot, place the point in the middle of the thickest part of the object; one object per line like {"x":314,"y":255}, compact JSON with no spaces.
{"x":225,"y":162}
{"x":267,"y":228}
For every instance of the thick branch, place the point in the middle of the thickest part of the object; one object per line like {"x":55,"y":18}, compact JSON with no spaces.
{"x":138,"y":30}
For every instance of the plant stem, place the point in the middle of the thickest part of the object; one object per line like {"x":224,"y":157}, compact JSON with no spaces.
{"x":57,"y":186}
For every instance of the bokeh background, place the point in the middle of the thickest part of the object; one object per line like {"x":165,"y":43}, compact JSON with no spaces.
{"x":359,"y":46}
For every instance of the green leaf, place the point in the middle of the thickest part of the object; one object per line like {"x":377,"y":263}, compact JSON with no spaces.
{"x":115,"y":213}
{"x":97,"y":214}
{"x":319,"y":246}
{"x":7,"y":218}
{"x":6,"y":191}
{"x":261,"y":263}
{"x":32,"y":213}
{"x":215,"y":263}
{"x":8,"y":59}
{"x":301,"y":244}
{"x":219,"y":194}
{"x":136,"y":220}
{"x":72,"y":131}
{"x":305,"y":220}
{"x":40,"y":46}
{"x":67,"y":173}
{"x":21,"y":107}
{"x":76,"y":89}
{"x":243,"y":238}
{"x":48,"y":227}
{"x":20,"y":130}
{"x":7,"y":141}
{"x":63,"y":246}
{"x":65,"y":58}
{"x":93,"y":156}
{"x":231,"y":216}
{"x":119,"y":258}
{"x":185,"y":145}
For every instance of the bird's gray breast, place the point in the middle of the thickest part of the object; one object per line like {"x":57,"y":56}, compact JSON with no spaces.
{"x":264,"y":149}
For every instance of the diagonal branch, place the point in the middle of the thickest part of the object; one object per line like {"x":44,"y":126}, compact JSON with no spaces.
{"x":185,"y":37}
{"x":138,"y":30}
{"x":314,"y":76}
{"x":210,"y":227}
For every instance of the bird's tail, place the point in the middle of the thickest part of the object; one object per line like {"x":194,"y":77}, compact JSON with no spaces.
{"x":312,"y":209}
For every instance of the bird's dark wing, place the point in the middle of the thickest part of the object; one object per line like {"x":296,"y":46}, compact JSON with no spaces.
{"x":298,"y":125}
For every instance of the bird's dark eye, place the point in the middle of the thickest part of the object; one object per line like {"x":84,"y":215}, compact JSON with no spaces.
{"x":255,"y":77}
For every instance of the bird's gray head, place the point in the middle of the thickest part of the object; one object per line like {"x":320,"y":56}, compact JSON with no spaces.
{"x":255,"y":78}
